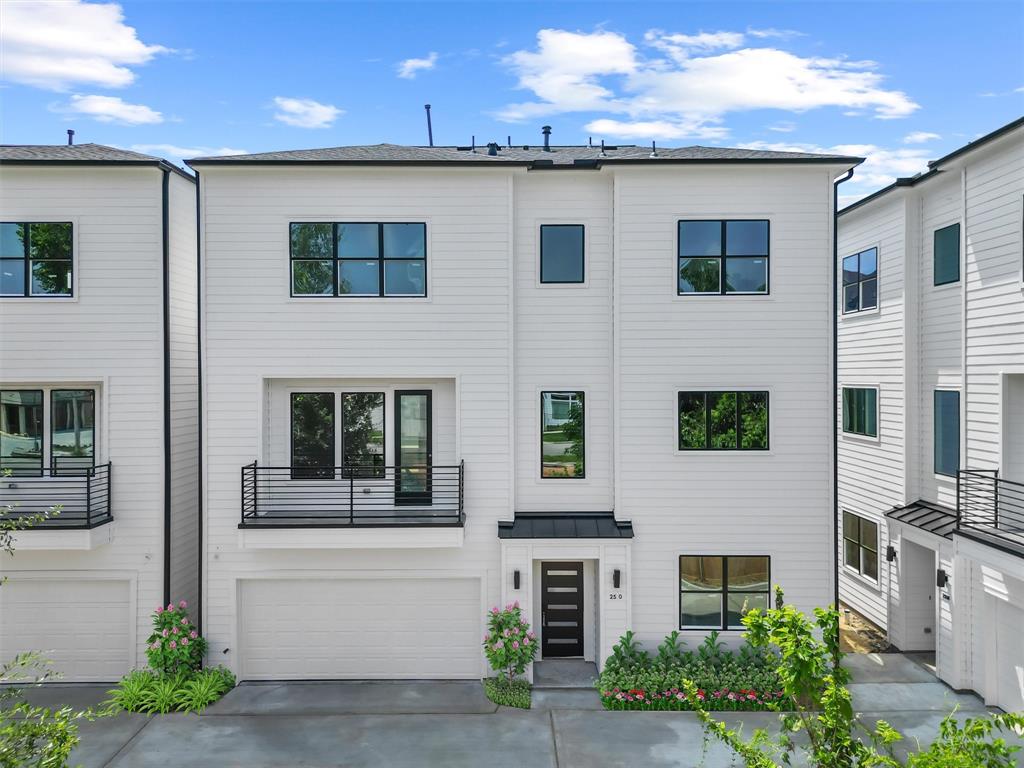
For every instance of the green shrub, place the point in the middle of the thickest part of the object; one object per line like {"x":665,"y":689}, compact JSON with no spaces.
{"x":509,"y":644}
{"x":145,"y":691}
{"x":204,"y":688}
{"x":971,"y":744}
{"x":515,"y":693}
{"x":175,"y":645}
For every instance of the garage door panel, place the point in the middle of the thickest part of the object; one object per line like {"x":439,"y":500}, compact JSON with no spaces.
{"x":359,"y":628}
{"x":83,"y":626}
{"x":1009,"y":661}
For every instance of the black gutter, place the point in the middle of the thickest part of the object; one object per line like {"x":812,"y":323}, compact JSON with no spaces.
{"x":986,"y":139}
{"x":163,"y":165}
{"x":836,"y":554}
{"x":165,"y":214}
{"x":198,"y":614}
{"x":904,"y":181}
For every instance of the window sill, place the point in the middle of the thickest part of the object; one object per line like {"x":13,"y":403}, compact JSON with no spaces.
{"x":860,"y":438}
{"x":873,"y":312}
{"x":867,"y":581}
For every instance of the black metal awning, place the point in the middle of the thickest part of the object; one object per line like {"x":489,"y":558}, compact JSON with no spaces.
{"x":933,"y":518}
{"x":565,"y":525}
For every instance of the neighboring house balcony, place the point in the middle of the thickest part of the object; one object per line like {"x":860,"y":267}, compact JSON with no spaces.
{"x":352,"y":505}
{"x":990,"y":508}
{"x":78,"y":496}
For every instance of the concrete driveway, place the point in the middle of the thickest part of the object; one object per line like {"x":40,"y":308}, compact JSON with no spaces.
{"x":451,"y":724}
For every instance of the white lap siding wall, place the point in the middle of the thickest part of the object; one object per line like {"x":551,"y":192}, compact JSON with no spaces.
{"x":255,"y":331}
{"x":109,"y":337}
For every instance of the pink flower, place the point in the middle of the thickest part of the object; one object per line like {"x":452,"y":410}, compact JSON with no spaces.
{"x":515,"y":604}
{"x":184,"y":621}
{"x":174,"y":630}
{"x":165,"y":633}
{"x":531,"y":634}
{"x":193,"y":634}
{"x":494,"y":610}
{"x":184,"y":641}
{"x":170,"y":606}
{"x":173,"y":645}
{"x":498,"y":645}
{"x":487,"y":638}
{"x":515,"y":645}
{"x":526,"y":641}
{"x":183,"y":604}
{"x":507,"y":633}
{"x":159,"y":609}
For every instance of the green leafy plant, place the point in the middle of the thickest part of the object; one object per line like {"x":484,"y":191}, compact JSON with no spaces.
{"x":204,"y":688}
{"x":510,"y":645}
{"x":670,"y":652}
{"x":972,"y":744}
{"x":161,"y":696}
{"x":175,"y":646}
{"x":508,"y":694}
{"x":132,"y":691}
{"x":627,"y":654}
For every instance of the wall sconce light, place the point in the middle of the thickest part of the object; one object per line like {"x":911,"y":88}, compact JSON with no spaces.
{"x":940,"y":578}
{"x":616,"y":578}
{"x":890,"y":553}
{"x":515,"y":579}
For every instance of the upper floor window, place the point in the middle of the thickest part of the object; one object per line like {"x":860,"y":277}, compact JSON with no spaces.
{"x":35,"y":258}
{"x":860,"y":281}
{"x":947,"y":432}
{"x":561,"y":253}
{"x":860,"y":411}
{"x":860,"y":544}
{"x":723,"y":257}
{"x":358,"y":259}
{"x":728,"y":421}
{"x":716,"y":592}
{"x":946,"y":255}
{"x":71,"y":427}
{"x":562,"y":437}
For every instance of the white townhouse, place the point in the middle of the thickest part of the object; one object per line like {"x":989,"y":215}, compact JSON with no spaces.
{"x":931,"y":413}
{"x":98,"y":401}
{"x":594,"y":380}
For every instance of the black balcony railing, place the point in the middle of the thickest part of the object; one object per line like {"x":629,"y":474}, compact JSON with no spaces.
{"x":81,"y":493}
{"x":298,"y":497}
{"x":990,"y":504}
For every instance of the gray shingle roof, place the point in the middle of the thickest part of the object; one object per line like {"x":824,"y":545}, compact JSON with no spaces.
{"x":90,"y":153}
{"x":382,"y":154}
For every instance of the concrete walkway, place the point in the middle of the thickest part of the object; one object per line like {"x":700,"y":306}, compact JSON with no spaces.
{"x":451,"y":724}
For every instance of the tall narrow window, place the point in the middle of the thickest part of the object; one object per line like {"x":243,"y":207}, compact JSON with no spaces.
{"x":947,"y":432}
{"x":562,"y":437}
{"x":860,"y":411}
{"x":561,"y":253}
{"x":21,"y":431}
{"x":72,"y":430}
{"x":723,"y":257}
{"x":731,"y":421}
{"x":716,"y":592}
{"x":413,"y":446}
{"x":860,"y":544}
{"x":312,"y":417}
{"x":358,"y":259}
{"x":35,"y":259}
{"x":362,"y":433}
{"x":860,"y":281}
{"x":946,"y":255}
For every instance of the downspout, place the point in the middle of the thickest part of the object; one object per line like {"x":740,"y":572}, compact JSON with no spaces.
{"x":198,"y":614}
{"x":165,"y":245}
{"x":835,"y":385}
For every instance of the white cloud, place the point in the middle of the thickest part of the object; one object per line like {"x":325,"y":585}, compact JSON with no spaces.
{"x":689,"y":84}
{"x":782,"y":34}
{"x":410,"y":67}
{"x":175,"y":152}
{"x":305,"y":113}
{"x":783,"y":126}
{"x":55,"y":44}
{"x":655,"y":129}
{"x":111,"y":109}
{"x":920,"y":137}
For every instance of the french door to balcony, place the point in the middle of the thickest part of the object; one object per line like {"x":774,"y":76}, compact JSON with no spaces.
{"x":413,"y":446}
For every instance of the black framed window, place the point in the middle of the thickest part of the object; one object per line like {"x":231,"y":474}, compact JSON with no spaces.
{"x":561,"y":253}
{"x":312,"y":435}
{"x":723,"y":421}
{"x":36,"y":258}
{"x":860,"y":411}
{"x":723,"y":257}
{"x":21,"y":431}
{"x":717,"y":591}
{"x":946,"y":255}
{"x":562,"y":435}
{"x":860,"y":544}
{"x":860,"y":281}
{"x":362,"y":433}
{"x":352,"y":259}
{"x":72,"y":430}
{"x":947,"y":432}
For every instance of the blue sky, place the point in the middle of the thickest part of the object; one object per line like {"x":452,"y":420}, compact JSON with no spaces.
{"x":898,"y":82}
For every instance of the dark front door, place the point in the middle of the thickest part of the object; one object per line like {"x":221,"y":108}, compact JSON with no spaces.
{"x":561,"y":602}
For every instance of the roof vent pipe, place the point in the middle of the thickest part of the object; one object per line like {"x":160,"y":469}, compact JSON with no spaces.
{"x":473,"y":146}
{"x":430,"y":128}
{"x":509,"y":145}
{"x":546,"y":130}
{"x":71,"y":137}
{"x":602,"y":149}
{"x":654,"y":148}
{"x":492,"y":149}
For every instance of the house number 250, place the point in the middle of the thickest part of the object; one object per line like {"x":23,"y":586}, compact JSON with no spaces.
{"x":615,"y":596}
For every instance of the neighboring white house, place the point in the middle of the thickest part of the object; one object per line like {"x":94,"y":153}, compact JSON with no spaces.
{"x":98,"y":401}
{"x":596,"y":381}
{"x":931,"y":461}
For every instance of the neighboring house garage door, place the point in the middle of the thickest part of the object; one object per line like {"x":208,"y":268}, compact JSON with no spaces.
{"x":1009,"y":656}
{"x":359,"y":628}
{"x":83,"y":626}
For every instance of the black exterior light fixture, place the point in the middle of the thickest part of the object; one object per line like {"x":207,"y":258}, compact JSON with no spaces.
{"x":515,"y":579}
{"x":941,"y":579}
{"x":616,"y":578}
{"x":890,"y":553}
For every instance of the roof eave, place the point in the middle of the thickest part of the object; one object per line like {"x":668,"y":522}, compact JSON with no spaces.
{"x":155,"y":163}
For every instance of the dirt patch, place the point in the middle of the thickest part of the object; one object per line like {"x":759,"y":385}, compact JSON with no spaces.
{"x":858,"y":635}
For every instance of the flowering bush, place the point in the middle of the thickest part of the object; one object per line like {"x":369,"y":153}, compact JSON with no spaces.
{"x":509,"y":643}
{"x":175,"y":645}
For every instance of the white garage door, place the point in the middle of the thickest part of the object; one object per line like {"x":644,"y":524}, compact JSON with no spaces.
{"x":82,"y":625}
{"x":360,"y":628}
{"x":1009,"y":657}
